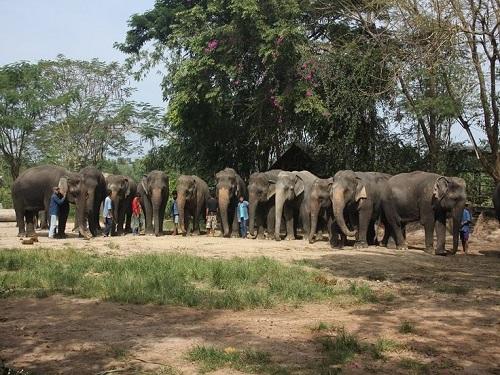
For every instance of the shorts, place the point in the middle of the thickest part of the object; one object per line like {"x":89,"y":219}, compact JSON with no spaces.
{"x":212,"y":222}
{"x":176,"y":219}
{"x":464,"y":236}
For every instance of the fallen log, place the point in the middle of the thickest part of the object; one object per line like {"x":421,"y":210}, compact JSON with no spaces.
{"x":7,"y":215}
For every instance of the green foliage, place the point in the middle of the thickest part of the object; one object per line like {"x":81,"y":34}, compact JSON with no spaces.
{"x":341,"y":348}
{"x":164,"y":279}
{"x":246,"y":79}
{"x":249,"y":361}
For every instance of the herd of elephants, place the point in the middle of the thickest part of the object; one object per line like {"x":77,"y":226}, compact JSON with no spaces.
{"x":347,"y":204}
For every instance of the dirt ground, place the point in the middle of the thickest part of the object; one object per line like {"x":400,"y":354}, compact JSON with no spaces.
{"x":453,"y":303}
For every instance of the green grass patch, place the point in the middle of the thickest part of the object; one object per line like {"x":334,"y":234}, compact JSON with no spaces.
{"x":382,"y":346}
{"x":414,"y":367}
{"x":211,"y":358}
{"x":173,"y":279}
{"x":321,"y":326}
{"x":407,"y":327}
{"x":341,"y":348}
{"x":452,"y":289}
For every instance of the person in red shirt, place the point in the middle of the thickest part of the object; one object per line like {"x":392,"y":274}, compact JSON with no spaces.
{"x":137,"y":216}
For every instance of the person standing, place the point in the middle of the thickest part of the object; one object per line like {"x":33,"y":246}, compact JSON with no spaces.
{"x":465,"y":228}
{"x":243,"y":216}
{"x":174,"y":212}
{"x":56,"y":201}
{"x":211,"y":214}
{"x":137,"y":215}
{"x":107,"y":213}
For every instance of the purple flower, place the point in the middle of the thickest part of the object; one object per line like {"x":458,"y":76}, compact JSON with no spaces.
{"x":279,"y":40}
{"x":309,"y":93}
{"x":212,"y":45}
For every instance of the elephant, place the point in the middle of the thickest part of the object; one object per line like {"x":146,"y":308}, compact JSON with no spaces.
{"x":123,"y":189}
{"x":229,"y":186}
{"x":429,"y":198}
{"x":32,"y":190}
{"x":496,"y":201}
{"x":292,"y":192}
{"x":321,"y":209}
{"x":192,"y":196}
{"x":153,"y":190}
{"x":261,"y":199}
{"x":361,"y":196}
{"x":96,"y":190}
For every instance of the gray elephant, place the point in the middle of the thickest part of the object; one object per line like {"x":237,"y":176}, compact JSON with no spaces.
{"x":496,"y":201}
{"x":153,"y":190}
{"x":32,"y":190}
{"x":261,"y":199}
{"x":321,"y":209}
{"x":360,"y":196}
{"x":292,"y":190}
{"x":429,"y":198}
{"x":96,"y":190}
{"x":192,"y":196}
{"x":123,"y":189}
{"x":229,"y":186}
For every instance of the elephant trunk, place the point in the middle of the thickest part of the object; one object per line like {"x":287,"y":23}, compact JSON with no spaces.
{"x":338,"y":211}
{"x":314,"y":208}
{"x":156,"y":200}
{"x":457,"y":213}
{"x":280,"y":201}
{"x":181,"y":206}
{"x":81,"y":212}
{"x":90,"y":204}
{"x":223,"y":209}
{"x":252,"y":212}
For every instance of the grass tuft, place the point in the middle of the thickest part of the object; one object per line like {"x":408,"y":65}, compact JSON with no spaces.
{"x":407,"y":327}
{"x":173,"y":279}
{"x":341,"y":348}
{"x":381,"y":346}
{"x":211,"y":358}
{"x":321,"y":326}
{"x":452,"y":289}
{"x":414,"y":367}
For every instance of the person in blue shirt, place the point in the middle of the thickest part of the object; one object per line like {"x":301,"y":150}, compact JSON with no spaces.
{"x":174,"y":212}
{"x":465,"y":228}
{"x":243,"y":216}
{"x":56,"y":200}
{"x":107,"y":213}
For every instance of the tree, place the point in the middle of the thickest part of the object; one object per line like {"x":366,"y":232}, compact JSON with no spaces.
{"x":246,"y":79}
{"x":92,"y":115}
{"x":24,"y":100}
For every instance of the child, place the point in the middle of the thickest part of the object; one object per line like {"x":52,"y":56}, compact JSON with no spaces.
{"x":211,"y":214}
{"x":243,"y":216}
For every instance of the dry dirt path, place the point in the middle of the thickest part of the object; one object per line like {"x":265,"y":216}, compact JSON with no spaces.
{"x":453,"y":303}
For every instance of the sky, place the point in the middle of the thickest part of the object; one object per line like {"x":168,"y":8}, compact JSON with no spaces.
{"x":79,"y":29}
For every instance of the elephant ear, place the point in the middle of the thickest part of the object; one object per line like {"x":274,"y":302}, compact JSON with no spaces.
{"x":63,"y":185}
{"x":440,"y":187}
{"x":330,"y":181}
{"x":360,"y":192}
{"x":271,"y":191}
{"x":299,"y":186}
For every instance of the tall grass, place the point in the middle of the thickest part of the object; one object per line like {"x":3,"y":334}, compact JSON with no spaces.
{"x":173,"y":279}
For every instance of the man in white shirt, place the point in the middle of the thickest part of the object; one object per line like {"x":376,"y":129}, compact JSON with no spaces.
{"x":107,"y":213}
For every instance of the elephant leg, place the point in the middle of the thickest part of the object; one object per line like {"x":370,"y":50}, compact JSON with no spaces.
{"x":441,"y":234}
{"x":148,"y":216}
{"x":20,"y":221}
{"x":271,"y":221}
{"x":196,"y":222}
{"x":290,"y":228}
{"x":365,"y":215}
{"x":30,"y":225}
{"x":429,"y":235}
{"x":236,"y":225}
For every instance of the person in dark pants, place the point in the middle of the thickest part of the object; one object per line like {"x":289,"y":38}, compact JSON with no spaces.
{"x":243,"y":216}
{"x":174,"y":212}
{"x":107,"y":213}
{"x":56,"y":201}
{"x":465,"y":228}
